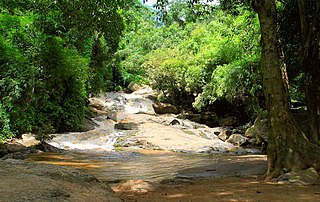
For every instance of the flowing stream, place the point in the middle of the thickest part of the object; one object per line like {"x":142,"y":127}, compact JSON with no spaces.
{"x":94,"y":151}
{"x":142,"y":165}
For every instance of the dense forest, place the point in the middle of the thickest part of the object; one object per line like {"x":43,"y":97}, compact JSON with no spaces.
{"x":260,"y":58}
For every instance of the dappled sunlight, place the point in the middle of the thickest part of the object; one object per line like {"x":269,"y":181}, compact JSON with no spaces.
{"x":178,"y":195}
{"x":134,"y":186}
{"x":226,"y":193}
{"x":74,"y":164}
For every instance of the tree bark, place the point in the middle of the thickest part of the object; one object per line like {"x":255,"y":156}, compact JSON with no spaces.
{"x":288,"y":147}
{"x":311,"y":62}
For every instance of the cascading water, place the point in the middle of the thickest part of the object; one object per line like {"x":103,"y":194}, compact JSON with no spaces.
{"x":95,"y":149}
{"x":104,"y":136}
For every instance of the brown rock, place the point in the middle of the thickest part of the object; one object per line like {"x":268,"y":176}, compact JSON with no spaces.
{"x":165,"y":108}
{"x":96,"y":103}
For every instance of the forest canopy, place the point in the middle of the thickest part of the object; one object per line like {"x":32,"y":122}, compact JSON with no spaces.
{"x":56,"y":54}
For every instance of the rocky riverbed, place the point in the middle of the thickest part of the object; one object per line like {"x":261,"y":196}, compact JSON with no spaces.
{"x":146,"y":156}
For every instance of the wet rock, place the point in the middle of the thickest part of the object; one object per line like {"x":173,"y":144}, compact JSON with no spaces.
{"x":239,"y":151}
{"x":16,"y":155}
{"x":127,"y":142}
{"x":44,"y":146}
{"x":302,"y":177}
{"x":211,"y":150}
{"x":126,"y":126}
{"x":116,"y":115}
{"x":165,"y":108}
{"x":253,"y":151}
{"x":139,"y":105}
{"x":87,"y":125}
{"x":8,"y":147}
{"x":237,"y":139}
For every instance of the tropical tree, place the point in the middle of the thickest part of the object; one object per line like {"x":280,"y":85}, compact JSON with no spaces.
{"x":288,"y":148}
{"x":46,"y":49}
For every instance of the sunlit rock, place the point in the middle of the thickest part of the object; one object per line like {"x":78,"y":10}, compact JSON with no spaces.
{"x":237,"y":139}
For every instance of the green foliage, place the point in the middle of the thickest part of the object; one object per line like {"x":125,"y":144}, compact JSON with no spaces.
{"x":5,"y":129}
{"x":46,"y":51}
{"x":65,"y":75}
{"x":143,"y":34}
{"x":215,"y":60}
{"x":289,"y":33}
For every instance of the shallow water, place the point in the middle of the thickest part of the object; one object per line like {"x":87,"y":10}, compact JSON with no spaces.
{"x":94,"y":150}
{"x":114,"y":166}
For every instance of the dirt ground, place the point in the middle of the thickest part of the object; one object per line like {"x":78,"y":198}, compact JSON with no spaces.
{"x":236,"y":178}
{"x":239,"y":178}
{"x":21,"y":182}
{"x":227,"y":189}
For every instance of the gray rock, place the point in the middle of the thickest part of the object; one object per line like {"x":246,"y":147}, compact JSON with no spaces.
{"x":27,"y":140}
{"x":134,"y":87}
{"x":139,"y":105}
{"x":237,"y":139}
{"x":259,"y":132}
{"x":253,"y":151}
{"x":116,"y":115}
{"x":126,"y":126}
{"x":96,"y":103}
{"x":302,"y":177}
{"x":250,"y":132}
{"x":225,"y":134}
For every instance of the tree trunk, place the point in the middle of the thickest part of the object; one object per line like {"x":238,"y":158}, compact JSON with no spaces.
{"x":311,"y":63}
{"x":288,"y":147}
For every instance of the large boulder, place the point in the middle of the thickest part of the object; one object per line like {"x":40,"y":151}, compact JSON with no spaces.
{"x":139,"y":105}
{"x":87,"y":125}
{"x":132,"y":87}
{"x":259,"y":132}
{"x":225,"y":134}
{"x":27,"y":140}
{"x":116,"y":115}
{"x":209,"y":119}
{"x":237,"y":139}
{"x":96,"y":103}
{"x":126,"y":126}
{"x":302,"y":177}
{"x":23,"y":181}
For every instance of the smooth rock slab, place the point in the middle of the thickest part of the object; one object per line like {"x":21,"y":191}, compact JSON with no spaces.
{"x":172,"y":138}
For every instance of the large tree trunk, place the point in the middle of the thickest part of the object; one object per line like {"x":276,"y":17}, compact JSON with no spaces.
{"x":288,"y":147}
{"x":311,"y":62}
